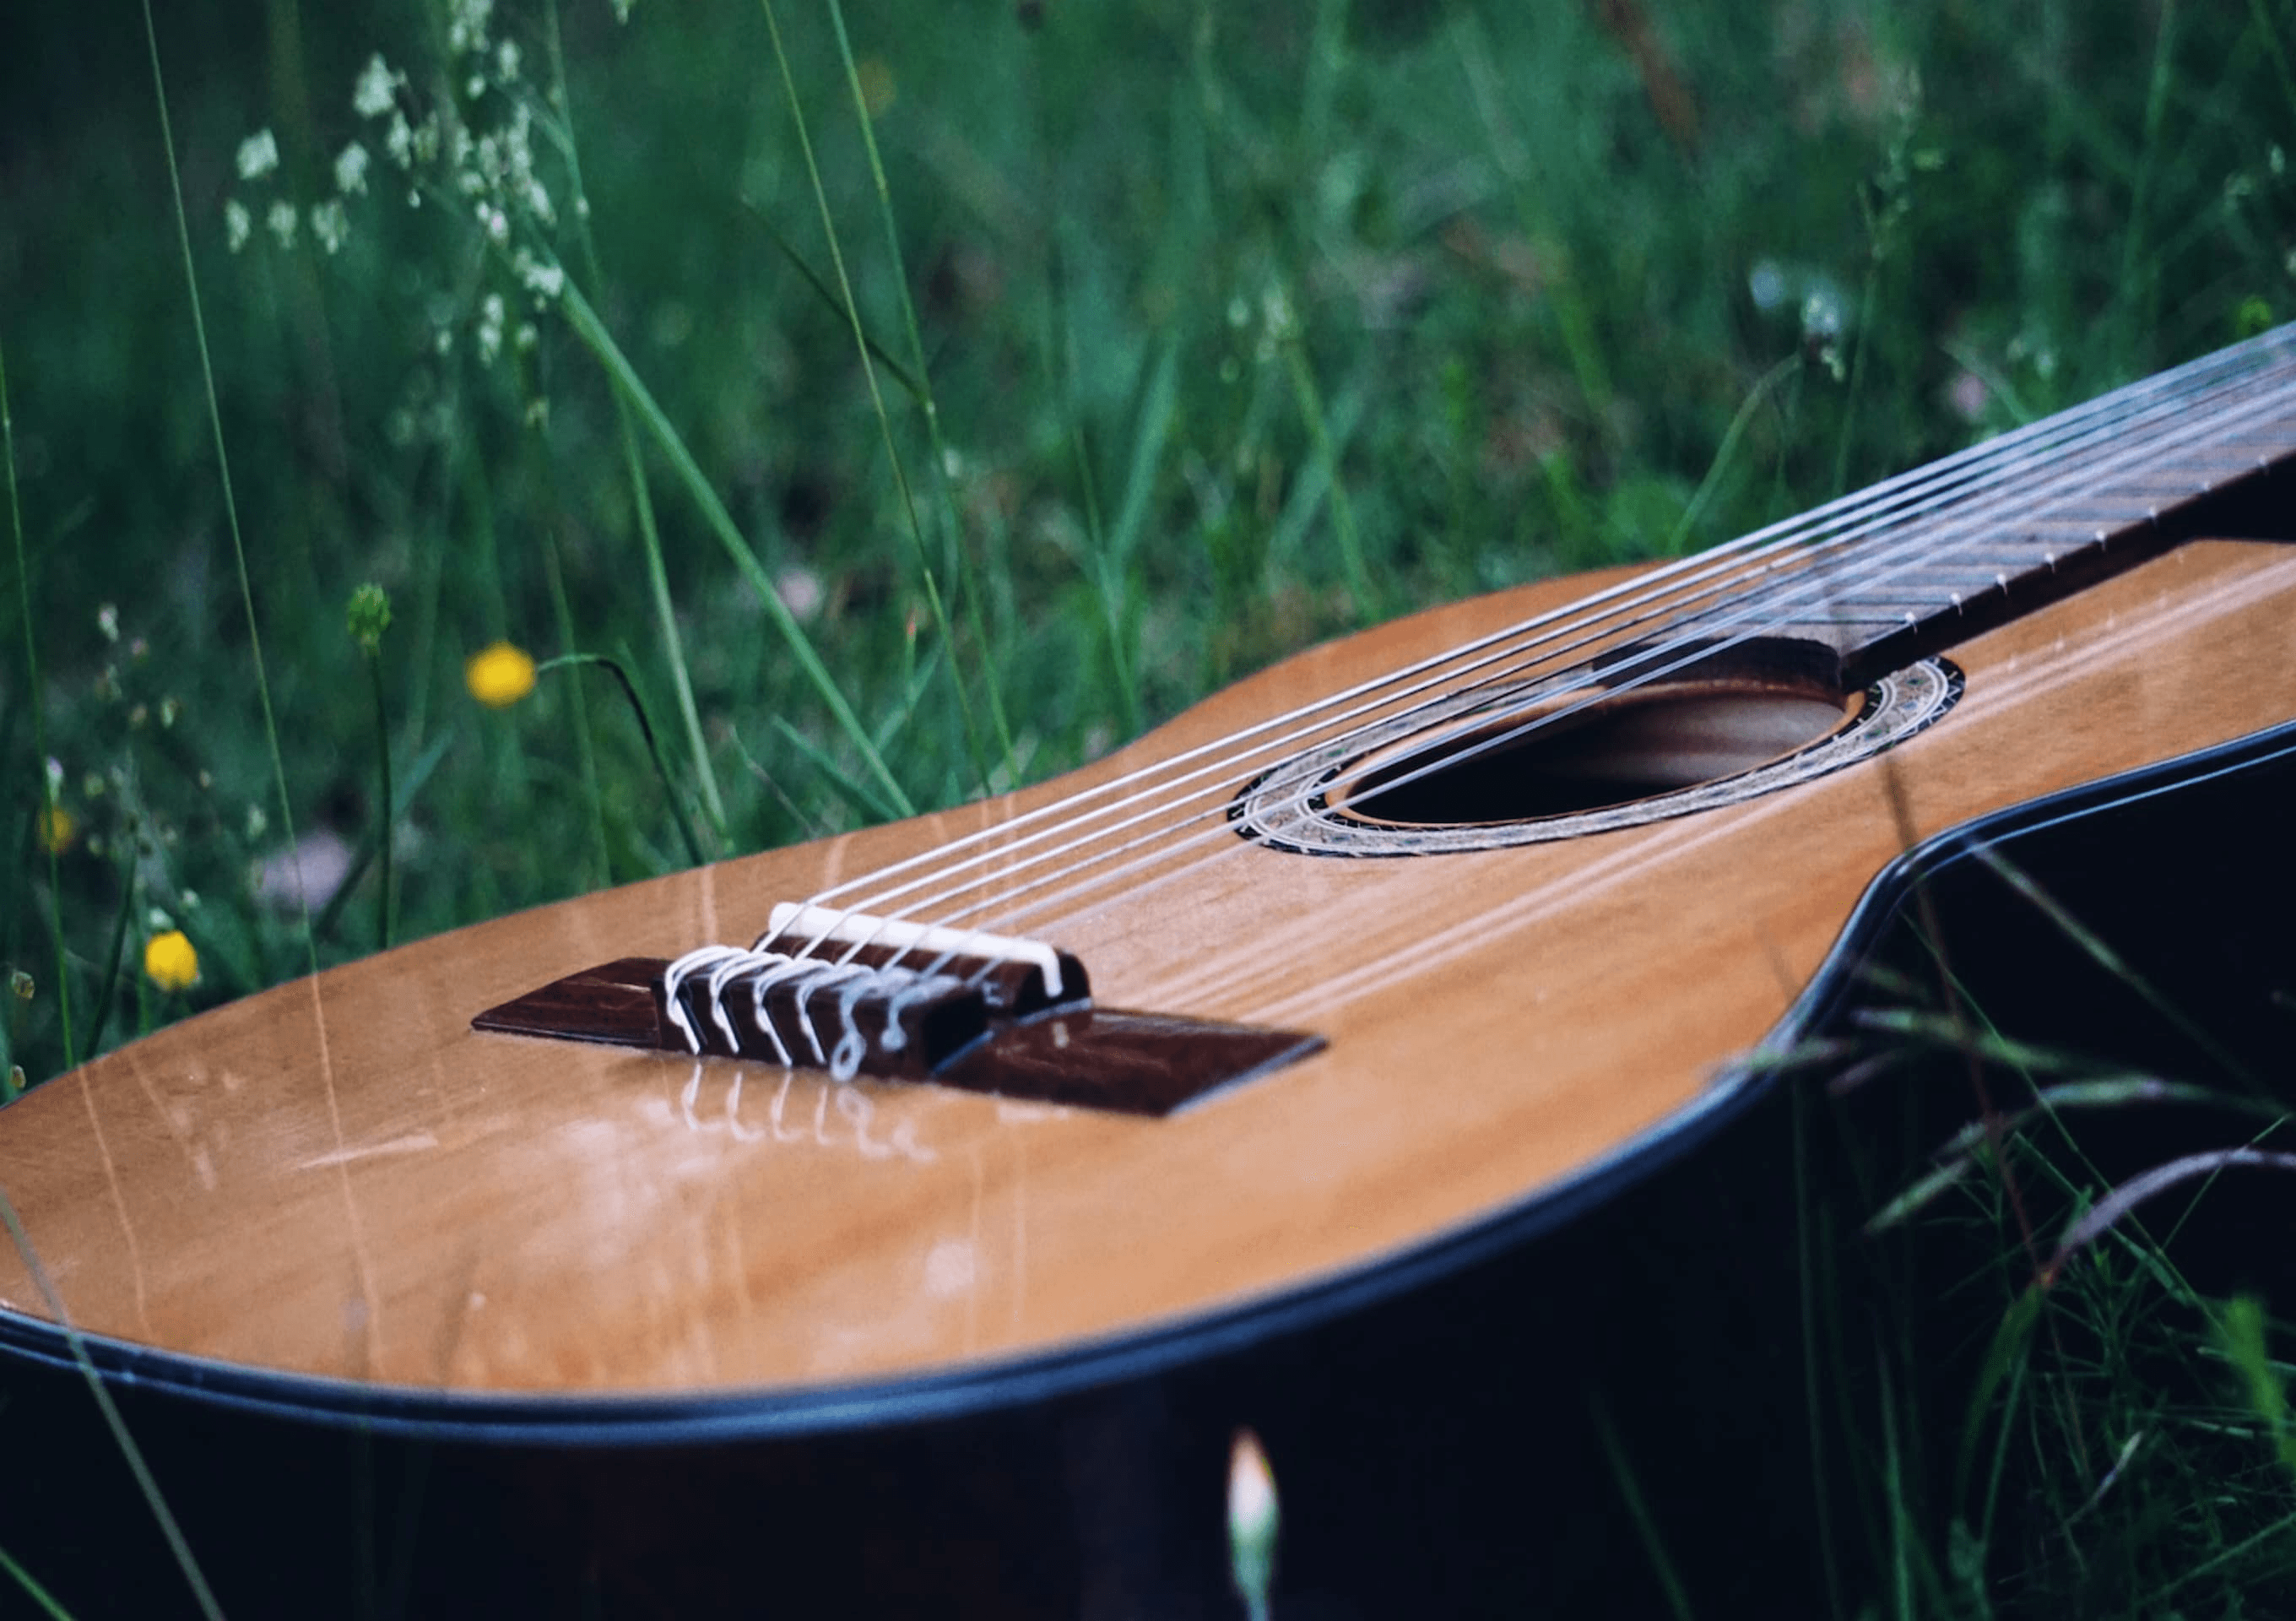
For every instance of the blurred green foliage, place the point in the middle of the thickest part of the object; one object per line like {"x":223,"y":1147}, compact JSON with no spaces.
{"x":1246,"y":327}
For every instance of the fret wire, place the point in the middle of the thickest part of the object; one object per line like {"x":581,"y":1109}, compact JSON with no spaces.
{"x":1172,"y":850}
{"x":1977,"y":470}
{"x":1034,"y":859}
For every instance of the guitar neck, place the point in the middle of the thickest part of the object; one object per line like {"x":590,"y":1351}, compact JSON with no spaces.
{"x":1929,"y":561}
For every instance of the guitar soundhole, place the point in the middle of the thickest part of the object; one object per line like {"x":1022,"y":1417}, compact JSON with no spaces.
{"x":1586,"y":756}
{"x":1474,"y":774}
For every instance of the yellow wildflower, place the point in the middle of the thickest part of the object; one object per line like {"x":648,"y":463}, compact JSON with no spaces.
{"x":170,"y":962}
{"x":57,"y":828}
{"x":499,"y":675}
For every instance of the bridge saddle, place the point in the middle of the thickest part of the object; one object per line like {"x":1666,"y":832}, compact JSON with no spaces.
{"x":857,"y":995}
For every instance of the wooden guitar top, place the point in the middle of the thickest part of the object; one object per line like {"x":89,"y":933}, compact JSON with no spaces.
{"x":338,"y":1179}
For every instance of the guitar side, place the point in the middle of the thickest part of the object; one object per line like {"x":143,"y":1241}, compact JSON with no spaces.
{"x":336,"y":1197}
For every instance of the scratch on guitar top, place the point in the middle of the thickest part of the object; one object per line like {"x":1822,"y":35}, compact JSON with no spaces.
{"x":414,"y":1142}
{"x":370,"y":1324}
{"x":119,"y":1204}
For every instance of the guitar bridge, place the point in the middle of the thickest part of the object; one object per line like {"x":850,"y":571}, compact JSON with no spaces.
{"x":903,"y":1002}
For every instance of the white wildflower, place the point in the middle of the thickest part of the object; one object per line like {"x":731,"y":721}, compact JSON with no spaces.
{"x":351,"y":170}
{"x":491,"y":316}
{"x":258,"y":155}
{"x":279,"y":219}
{"x":236,"y":225}
{"x":376,"y":91}
{"x":496,"y":222}
{"x":426,"y":139}
{"x":476,"y":86}
{"x":466,"y":24}
{"x":525,"y":338}
{"x":518,"y":144}
{"x":622,"y":9}
{"x":538,"y":200}
{"x":330,"y":225}
{"x":107,"y":620}
{"x":398,"y":140}
{"x":506,"y":61}
{"x":544,"y":281}
{"x":1821,"y":315}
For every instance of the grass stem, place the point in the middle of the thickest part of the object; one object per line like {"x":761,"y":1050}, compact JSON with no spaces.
{"x":634,"y":460}
{"x":384,"y":820}
{"x":1310,"y":399}
{"x":646,"y":729}
{"x":223,"y":469}
{"x":53,"y":1301}
{"x":101,"y":1014}
{"x":33,"y":1590}
{"x":967,"y":589}
{"x":861,"y":338}
{"x":593,"y":333}
{"x":47,"y":822}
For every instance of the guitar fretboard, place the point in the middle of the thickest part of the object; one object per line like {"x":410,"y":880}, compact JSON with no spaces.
{"x":1928,"y":560}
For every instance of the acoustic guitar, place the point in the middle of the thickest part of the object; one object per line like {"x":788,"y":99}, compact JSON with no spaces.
{"x":905,"y":1220}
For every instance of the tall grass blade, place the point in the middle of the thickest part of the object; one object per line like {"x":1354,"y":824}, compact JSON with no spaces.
{"x":634,"y":460}
{"x":2240,"y":1333}
{"x":585,"y":750}
{"x":1311,"y":399}
{"x":410,"y":788}
{"x":2139,"y":292}
{"x":223,"y":469}
{"x":592,"y":331}
{"x":1809,"y":1277}
{"x":2102,"y":954}
{"x":101,"y":1014}
{"x":2270,"y":34}
{"x":1622,"y":1474}
{"x":861,"y":339}
{"x":2101,"y":1216}
{"x":1764,"y":386}
{"x":39,"y":726}
{"x":863,"y":797}
{"x":646,"y":729}
{"x":911,"y":385}
{"x":38,"y":1594}
{"x":1158,"y":410}
{"x":2004,"y":1356}
{"x":129,"y":1450}
{"x":962,"y":580}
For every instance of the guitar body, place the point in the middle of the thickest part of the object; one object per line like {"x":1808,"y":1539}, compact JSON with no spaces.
{"x":592,"y":1325}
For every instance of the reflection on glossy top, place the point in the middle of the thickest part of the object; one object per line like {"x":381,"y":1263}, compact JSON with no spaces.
{"x":338,"y":1177}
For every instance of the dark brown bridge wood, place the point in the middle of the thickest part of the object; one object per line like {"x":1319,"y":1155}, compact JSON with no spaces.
{"x":997,"y":1033}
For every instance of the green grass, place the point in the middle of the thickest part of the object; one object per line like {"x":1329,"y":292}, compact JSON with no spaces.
{"x":941,"y":395}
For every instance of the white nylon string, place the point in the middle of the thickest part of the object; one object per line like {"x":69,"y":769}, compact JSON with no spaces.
{"x":1653,"y":662}
{"x":1954,"y":495}
{"x":1102,"y":879}
{"x":1848,"y":518}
